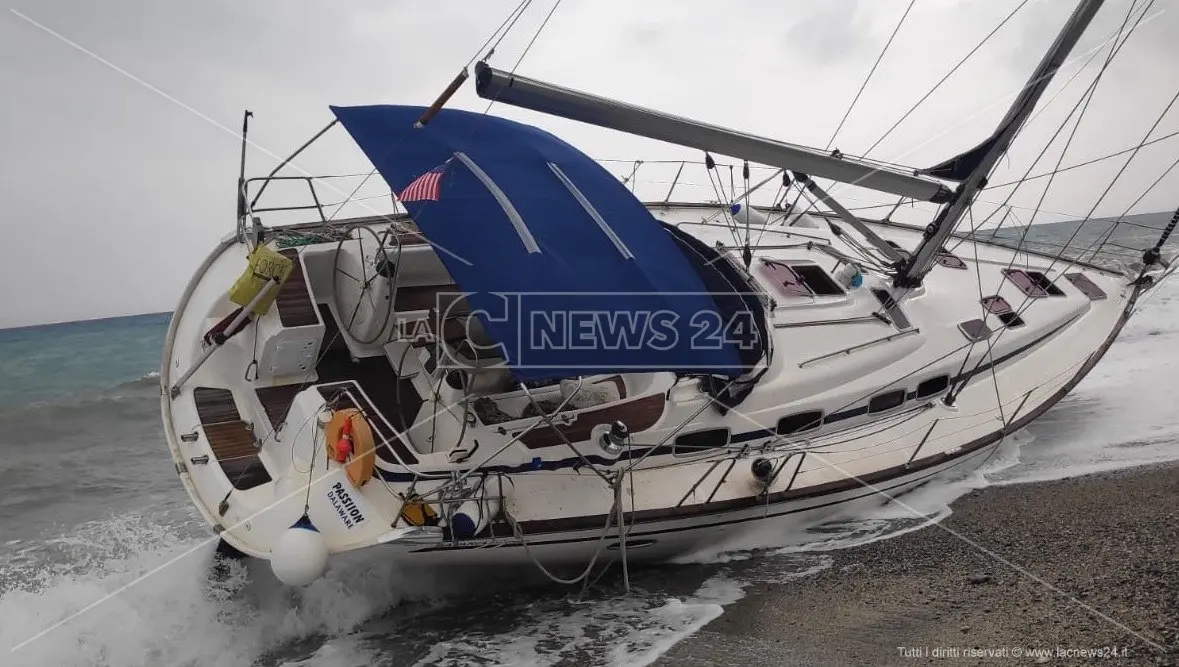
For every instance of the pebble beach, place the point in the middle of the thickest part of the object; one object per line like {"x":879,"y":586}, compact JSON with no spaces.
{"x":1077,"y":571}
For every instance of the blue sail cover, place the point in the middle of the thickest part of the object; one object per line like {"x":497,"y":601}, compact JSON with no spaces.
{"x":565,"y":268}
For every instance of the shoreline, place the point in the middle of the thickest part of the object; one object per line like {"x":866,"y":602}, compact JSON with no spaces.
{"x":1083,"y":570}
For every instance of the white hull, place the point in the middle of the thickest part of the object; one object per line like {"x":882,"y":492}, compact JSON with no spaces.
{"x":767,"y":525}
{"x":672,"y":504}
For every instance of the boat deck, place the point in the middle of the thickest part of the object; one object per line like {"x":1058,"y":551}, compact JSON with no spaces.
{"x":230,"y":437}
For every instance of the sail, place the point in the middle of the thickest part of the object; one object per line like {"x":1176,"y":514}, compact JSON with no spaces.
{"x":960,"y":167}
{"x":564,"y":267}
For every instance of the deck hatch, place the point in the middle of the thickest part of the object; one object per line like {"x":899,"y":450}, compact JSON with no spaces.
{"x":974,"y":330}
{"x":800,"y":280}
{"x":1086,"y":286}
{"x":949,"y":260}
{"x":1033,"y":284}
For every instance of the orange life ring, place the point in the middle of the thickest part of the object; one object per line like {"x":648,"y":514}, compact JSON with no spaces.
{"x":360,"y":464}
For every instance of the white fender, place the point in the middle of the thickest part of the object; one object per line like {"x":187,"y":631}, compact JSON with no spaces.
{"x":299,"y":557}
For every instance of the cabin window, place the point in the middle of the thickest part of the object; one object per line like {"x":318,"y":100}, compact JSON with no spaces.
{"x":1045,"y":283}
{"x":974,"y":330}
{"x":700,"y":441}
{"x":999,"y":307}
{"x":949,"y":260}
{"x":785,"y":279}
{"x":801,"y":279}
{"x":800,"y":422}
{"x":817,"y":280}
{"x":1086,"y":286}
{"x":1011,"y":320}
{"x":1032,"y":283}
{"x":890,"y":306}
{"x":933,"y":386}
{"x":886,"y":401}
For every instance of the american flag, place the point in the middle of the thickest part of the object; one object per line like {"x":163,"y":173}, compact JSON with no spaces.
{"x":427,"y":186}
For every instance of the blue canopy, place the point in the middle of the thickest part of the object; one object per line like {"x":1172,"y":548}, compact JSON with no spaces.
{"x":565,"y":268}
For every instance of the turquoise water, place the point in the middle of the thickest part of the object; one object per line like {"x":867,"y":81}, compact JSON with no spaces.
{"x":52,"y":362}
{"x":80,"y":433}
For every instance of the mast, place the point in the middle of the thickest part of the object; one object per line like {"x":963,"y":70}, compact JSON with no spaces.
{"x":972,"y":167}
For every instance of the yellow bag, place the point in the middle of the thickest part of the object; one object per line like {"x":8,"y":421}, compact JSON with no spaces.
{"x":419,"y":514}
{"x":263,"y":264}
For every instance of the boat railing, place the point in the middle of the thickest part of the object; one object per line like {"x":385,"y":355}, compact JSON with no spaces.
{"x":488,"y":492}
{"x":652,"y":188}
{"x":326,"y":212}
{"x":664,"y":182}
{"x":309,"y":180}
{"x":672,"y":183}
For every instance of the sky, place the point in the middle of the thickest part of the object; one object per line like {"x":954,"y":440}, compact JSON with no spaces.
{"x":120,"y":121}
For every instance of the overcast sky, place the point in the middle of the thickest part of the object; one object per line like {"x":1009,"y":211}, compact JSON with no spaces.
{"x":112,"y":194}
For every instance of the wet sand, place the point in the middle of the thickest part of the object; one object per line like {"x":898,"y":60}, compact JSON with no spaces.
{"x":1076,"y":566}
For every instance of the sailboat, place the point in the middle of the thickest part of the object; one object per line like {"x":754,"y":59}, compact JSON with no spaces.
{"x":528,"y":364}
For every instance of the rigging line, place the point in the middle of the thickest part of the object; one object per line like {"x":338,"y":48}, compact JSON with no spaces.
{"x":870,"y":73}
{"x":1090,"y":90}
{"x":866,"y":256}
{"x":1028,"y":300}
{"x":1115,"y":180}
{"x":1117,"y":224}
{"x":1085,"y":163}
{"x":748,"y":256}
{"x":947,"y":76}
{"x":778,"y":196}
{"x":1082,"y":105}
{"x":349,"y":197}
{"x":990,"y":355}
{"x":632,"y":464}
{"x":361,"y":184}
{"x":370,"y":174}
{"x":855,"y":99}
{"x":631,"y":179}
{"x":1044,"y":106}
{"x":513,"y":17}
{"x":974,"y":341}
{"x":718,"y":190}
{"x":518,"y":533}
{"x":973,"y":235}
{"x":1016,"y":207}
{"x":843,"y":235}
{"x":1086,"y":99}
{"x":931,"y":139}
{"x":527,"y":48}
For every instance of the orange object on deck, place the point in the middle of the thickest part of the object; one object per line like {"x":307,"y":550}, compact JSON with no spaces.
{"x":352,"y":443}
